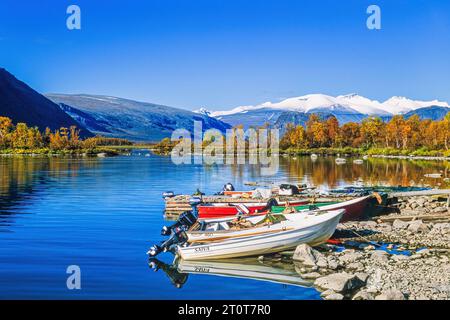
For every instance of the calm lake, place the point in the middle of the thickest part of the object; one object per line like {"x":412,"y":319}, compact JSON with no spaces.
{"x":102,"y":214}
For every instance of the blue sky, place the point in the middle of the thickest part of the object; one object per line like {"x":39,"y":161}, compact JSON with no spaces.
{"x":224,"y":53}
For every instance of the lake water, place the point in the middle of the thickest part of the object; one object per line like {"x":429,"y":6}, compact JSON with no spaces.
{"x":102,"y":214}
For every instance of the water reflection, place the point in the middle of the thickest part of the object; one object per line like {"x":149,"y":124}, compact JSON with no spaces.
{"x":23,"y":179}
{"x":375,"y":171}
{"x":245,"y":268}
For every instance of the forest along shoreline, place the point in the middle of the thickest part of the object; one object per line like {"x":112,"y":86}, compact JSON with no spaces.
{"x":324,"y":135}
{"x":20,"y":139}
{"x":400,"y":256}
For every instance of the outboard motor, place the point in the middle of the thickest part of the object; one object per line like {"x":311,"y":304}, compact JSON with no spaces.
{"x":154,"y":250}
{"x":288,"y":190}
{"x":195,"y":200}
{"x":186,"y":220}
{"x":228,"y":187}
{"x":168,"y":194}
{"x":177,"y":237}
{"x":272,"y":202}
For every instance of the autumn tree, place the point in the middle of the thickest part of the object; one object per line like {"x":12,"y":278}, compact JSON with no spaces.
{"x":445,"y":128}
{"x":350,"y":134}
{"x":332,"y":126}
{"x":371,"y":130}
{"x":6,"y":127}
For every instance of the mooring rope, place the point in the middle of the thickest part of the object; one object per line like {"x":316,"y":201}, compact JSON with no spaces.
{"x":360,"y":236}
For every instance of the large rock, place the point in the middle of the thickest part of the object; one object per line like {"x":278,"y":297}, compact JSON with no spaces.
{"x":333,"y":263}
{"x":307,"y":255}
{"x":418,"y":226}
{"x":362,"y":276}
{"x":391,"y":294}
{"x":339,"y":282}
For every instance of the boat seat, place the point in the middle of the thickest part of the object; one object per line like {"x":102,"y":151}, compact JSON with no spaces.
{"x":213,"y":227}
{"x":218,"y":226}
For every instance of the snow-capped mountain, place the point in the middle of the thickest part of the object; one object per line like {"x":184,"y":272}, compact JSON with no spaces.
{"x":203,"y":111}
{"x":401,"y":105}
{"x":350,"y":107}
{"x":364,"y":105}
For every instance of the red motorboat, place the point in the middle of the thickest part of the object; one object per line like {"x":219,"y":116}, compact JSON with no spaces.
{"x":355,"y":209}
{"x":224,"y":210}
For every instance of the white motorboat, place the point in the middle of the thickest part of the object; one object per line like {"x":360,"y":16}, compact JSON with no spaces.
{"x":262,"y":236}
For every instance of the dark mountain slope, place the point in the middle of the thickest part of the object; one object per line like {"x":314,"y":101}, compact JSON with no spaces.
{"x":23,"y":104}
{"x":434,"y":113}
{"x":133,"y":120}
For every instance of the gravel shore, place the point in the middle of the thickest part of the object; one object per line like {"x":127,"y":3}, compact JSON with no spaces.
{"x":405,"y":255}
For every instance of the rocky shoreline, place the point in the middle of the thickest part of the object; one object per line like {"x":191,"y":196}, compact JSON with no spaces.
{"x":402,"y":256}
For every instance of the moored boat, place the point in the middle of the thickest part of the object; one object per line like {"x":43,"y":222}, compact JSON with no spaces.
{"x":312,"y":228}
{"x":355,"y":209}
{"x":223,"y":210}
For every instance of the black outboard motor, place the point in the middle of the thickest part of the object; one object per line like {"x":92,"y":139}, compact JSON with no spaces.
{"x":288,"y":190}
{"x":168,"y":194}
{"x":178,"y":236}
{"x":228,"y":187}
{"x":195,"y":200}
{"x":186,"y":220}
{"x":272,"y":202}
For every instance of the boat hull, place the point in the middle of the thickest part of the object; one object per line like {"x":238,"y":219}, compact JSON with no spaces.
{"x":223,"y":210}
{"x":313,"y":232}
{"x":355,"y":209}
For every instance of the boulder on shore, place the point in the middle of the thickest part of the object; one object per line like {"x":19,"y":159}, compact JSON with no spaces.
{"x":339,"y":282}
{"x":307,"y":255}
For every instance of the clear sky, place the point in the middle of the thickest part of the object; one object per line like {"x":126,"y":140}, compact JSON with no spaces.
{"x":225,"y":53}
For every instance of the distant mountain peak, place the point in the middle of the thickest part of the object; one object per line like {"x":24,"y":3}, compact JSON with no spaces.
{"x":203,"y":111}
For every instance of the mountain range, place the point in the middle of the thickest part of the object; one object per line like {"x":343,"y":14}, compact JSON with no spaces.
{"x":94,"y":114}
{"x":345,"y":108}
{"x":23,"y":104}
{"x":143,"y":121}
{"x":129,"y":119}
